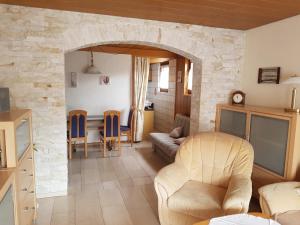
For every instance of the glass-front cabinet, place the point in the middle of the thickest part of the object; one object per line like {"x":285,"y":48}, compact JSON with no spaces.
{"x":17,"y":156}
{"x":8,"y":215}
{"x":233,"y":122}
{"x":15,"y":136}
{"x":274,"y":135}
{"x":269,"y":138}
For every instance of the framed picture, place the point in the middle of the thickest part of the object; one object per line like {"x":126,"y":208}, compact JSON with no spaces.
{"x":270,"y":75}
{"x":74,"y":80}
{"x":104,"y":80}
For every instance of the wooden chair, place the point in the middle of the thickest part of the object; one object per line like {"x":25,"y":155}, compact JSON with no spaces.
{"x":77,"y":129}
{"x":111,"y":132}
{"x":128,"y":129}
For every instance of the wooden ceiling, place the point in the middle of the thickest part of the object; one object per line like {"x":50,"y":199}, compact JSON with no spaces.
{"x":235,"y":14}
{"x":130,"y":49}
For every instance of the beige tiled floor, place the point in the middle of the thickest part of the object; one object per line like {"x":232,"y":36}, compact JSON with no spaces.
{"x":107,"y":191}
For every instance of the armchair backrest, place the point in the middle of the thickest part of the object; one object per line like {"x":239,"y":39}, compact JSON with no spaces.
{"x":112,"y":123}
{"x":213,"y":157}
{"x":77,"y":123}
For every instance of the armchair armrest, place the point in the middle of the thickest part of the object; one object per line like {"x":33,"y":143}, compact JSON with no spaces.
{"x":238,"y":195}
{"x":170,"y":179}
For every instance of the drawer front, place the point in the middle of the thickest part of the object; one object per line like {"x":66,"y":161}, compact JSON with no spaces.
{"x":27,"y":207}
{"x":25,"y":176}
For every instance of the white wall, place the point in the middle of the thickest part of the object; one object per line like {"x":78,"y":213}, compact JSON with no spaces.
{"x":275,"y":44}
{"x":93,"y":97}
{"x":89,"y":94}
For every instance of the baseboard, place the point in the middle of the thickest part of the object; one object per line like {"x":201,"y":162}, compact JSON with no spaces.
{"x":52,"y":194}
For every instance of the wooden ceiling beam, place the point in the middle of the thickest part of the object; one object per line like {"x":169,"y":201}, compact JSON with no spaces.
{"x":152,"y":53}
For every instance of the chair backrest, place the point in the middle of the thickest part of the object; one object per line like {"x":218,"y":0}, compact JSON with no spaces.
{"x":130,"y":118}
{"x":112,"y":123}
{"x":182,"y":121}
{"x":77,"y":123}
{"x":213,"y":157}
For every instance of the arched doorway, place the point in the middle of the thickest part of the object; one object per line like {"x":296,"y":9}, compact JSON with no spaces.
{"x":195,"y":98}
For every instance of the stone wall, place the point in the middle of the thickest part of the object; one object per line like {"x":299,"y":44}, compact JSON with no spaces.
{"x":164,"y":102}
{"x":32,"y":46}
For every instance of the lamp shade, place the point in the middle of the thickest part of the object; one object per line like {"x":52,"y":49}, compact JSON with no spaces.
{"x":92,"y":69}
{"x":292,"y":80}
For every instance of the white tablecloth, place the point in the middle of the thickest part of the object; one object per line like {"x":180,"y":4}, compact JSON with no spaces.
{"x":241,"y":219}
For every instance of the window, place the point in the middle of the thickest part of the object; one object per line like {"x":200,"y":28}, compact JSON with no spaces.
{"x":164,"y":77}
{"x":188,"y":79}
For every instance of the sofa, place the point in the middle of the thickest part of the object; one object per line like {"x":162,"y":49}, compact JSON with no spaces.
{"x":211,"y":177}
{"x":164,"y":145}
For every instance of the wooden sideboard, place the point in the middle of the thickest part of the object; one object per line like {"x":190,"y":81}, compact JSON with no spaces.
{"x":17,"y":153}
{"x":274,"y":135}
{"x":148,"y":123}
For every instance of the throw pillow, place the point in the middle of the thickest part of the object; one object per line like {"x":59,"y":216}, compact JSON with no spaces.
{"x":176,"y":132}
{"x":178,"y":141}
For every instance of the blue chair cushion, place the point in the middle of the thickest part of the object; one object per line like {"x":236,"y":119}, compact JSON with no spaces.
{"x":115,"y":122}
{"x":124,"y":128}
{"x":81,"y":121}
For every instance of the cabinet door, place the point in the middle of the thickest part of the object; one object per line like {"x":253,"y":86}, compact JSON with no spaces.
{"x":7,"y":210}
{"x":269,"y":138}
{"x":23,"y":137}
{"x":233,"y":122}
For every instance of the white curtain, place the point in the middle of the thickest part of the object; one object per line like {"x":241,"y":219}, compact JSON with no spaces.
{"x":140,"y":82}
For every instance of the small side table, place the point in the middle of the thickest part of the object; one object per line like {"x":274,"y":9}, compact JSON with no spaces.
{"x":258,"y":214}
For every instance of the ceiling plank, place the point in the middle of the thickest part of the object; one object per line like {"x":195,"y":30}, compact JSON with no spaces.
{"x":235,"y":14}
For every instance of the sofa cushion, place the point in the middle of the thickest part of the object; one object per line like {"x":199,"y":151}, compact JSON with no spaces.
{"x":184,"y":122}
{"x":165,"y":143}
{"x":272,"y":196}
{"x":179,"y":141}
{"x":289,"y":218}
{"x":198,"y":199}
{"x":176,"y":132}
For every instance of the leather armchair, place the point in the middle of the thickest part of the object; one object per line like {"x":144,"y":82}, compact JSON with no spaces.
{"x":211,"y":177}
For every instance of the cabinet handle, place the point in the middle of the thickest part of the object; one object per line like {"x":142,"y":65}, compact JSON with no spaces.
{"x":30,"y":158}
{"x":32,"y":192}
{"x":31,"y":175}
{"x":24,"y":170}
{"x":24,"y":189}
{"x":33,"y":208}
{"x":26,"y":209}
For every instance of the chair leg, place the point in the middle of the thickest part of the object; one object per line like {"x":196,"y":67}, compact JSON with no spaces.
{"x":119,"y":144}
{"x":104,"y":147}
{"x":85,"y":148}
{"x":70,"y":149}
{"x":131,"y":139}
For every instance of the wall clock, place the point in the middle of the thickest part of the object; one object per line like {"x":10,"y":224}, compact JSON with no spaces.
{"x":238,"y":98}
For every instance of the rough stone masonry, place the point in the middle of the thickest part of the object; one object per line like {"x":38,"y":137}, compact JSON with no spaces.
{"x":32,"y":46}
